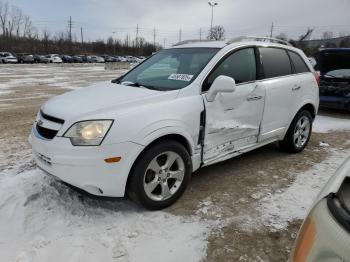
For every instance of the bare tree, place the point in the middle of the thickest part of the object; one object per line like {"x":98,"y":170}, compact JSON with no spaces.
{"x":18,"y":19}
{"x":14,"y":22}
{"x":307,"y":35}
{"x":4,"y":13}
{"x":28,"y":27}
{"x":216,"y":33}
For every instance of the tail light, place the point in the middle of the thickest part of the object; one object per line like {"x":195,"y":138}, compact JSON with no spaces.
{"x":317,"y":77}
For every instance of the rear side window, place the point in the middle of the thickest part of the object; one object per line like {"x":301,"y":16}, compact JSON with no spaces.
{"x":299,"y":64}
{"x":275,"y":62}
{"x":239,"y":65}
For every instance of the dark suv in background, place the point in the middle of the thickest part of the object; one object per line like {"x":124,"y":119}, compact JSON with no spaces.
{"x":334,"y":67}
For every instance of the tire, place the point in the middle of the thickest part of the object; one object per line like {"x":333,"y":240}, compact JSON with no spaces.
{"x":153,"y":183}
{"x":299,"y":133}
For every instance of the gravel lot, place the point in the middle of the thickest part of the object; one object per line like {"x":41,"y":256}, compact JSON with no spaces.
{"x":248,"y":208}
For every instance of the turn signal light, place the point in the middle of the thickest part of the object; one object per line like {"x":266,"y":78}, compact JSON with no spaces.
{"x":305,"y":241}
{"x":113,"y":159}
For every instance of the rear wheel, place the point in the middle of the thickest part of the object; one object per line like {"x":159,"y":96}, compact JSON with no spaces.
{"x":299,"y":133}
{"x":160,"y":175}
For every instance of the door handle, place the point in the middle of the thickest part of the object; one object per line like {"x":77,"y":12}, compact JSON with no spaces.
{"x":254,"y":98}
{"x":295,"y":88}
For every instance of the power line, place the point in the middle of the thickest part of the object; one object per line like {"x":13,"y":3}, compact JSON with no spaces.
{"x":154,"y":36}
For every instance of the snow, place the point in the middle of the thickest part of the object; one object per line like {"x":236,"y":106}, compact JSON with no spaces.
{"x":323,"y":144}
{"x":43,"y":220}
{"x":71,"y":76}
{"x":295,"y":201}
{"x":326,"y":124}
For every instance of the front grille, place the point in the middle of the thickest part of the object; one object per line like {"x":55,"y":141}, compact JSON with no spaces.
{"x":45,"y":132}
{"x":51,"y":118}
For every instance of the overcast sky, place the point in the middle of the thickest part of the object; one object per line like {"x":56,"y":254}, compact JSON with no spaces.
{"x":100,"y":18}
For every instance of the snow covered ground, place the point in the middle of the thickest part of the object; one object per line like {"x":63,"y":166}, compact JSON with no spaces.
{"x":44,"y":220}
{"x":326,"y":124}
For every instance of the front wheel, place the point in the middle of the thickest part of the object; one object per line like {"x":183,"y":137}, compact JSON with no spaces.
{"x":160,"y":175}
{"x":299,"y":133}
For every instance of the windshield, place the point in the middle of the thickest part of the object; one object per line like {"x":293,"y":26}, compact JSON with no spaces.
{"x":334,"y":64}
{"x":169,"y":69}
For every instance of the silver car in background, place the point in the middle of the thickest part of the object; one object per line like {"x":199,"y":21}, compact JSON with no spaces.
{"x":7,"y":58}
{"x":325,"y":233}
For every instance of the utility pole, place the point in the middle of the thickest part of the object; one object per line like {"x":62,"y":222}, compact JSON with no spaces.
{"x":212,"y":5}
{"x":81,"y":35}
{"x":137,"y":35}
{"x":154,"y":37}
{"x":113,"y":43}
{"x":271,"y":32}
{"x":200,"y":34}
{"x":180,"y":34}
{"x":164,"y":42}
{"x":70,"y":28}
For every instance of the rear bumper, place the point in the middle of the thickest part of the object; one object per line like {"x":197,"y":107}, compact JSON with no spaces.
{"x":84,"y":167}
{"x":337,"y":102}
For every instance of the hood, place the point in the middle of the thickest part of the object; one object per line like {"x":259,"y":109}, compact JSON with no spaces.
{"x":101,"y":98}
{"x":332,"y":59}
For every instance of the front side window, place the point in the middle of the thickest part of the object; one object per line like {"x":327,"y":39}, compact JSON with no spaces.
{"x":298,"y":62}
{"x":169,"y":69}
{"x":275,"y":62}
{"x":240,"y":65}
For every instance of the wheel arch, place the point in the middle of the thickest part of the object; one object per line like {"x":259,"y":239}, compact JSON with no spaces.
{"x":181,"y":139}
{"x":309,"y":107}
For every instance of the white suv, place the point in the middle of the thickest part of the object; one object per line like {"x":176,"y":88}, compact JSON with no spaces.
{"x":192,"y":105}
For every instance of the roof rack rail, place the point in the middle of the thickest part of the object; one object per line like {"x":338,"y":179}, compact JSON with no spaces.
{"x":191,"y":41}
{"x":257,"y":38}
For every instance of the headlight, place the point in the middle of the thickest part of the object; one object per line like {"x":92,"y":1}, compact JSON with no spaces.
{"x":88,"y":133}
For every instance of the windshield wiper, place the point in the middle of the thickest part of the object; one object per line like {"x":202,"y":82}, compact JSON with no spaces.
{"x":136,"y":84}
{"x":116,"y":81}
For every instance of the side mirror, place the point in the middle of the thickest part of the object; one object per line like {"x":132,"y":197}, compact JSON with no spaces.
{"x":222,"y":84}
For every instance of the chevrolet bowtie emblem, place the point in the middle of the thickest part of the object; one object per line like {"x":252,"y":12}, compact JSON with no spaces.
{"x":40,"y":122}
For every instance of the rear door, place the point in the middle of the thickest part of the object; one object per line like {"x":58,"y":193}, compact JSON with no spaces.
{"x":280,"y":101}
{"x":233,"y":119}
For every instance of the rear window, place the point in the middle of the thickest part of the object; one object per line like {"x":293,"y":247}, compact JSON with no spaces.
{"x":275,"y":62}
{"x":299,"y":64}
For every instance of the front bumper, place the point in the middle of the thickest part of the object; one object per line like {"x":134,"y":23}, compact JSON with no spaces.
{"x":84,"y":166}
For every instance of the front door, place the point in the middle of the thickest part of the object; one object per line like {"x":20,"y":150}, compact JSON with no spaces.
{"x":233,"y":119}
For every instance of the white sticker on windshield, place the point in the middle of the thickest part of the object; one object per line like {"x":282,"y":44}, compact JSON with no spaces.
{"x":180,"y":77}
